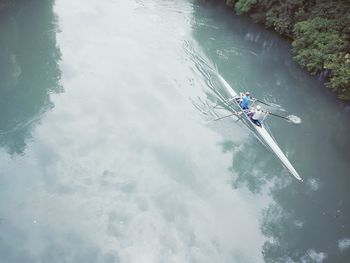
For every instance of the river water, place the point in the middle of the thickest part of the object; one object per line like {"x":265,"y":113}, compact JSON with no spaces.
{"x":104,"y":157}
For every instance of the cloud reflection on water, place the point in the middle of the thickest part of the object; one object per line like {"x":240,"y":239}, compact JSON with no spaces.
{"x":122,"y":170}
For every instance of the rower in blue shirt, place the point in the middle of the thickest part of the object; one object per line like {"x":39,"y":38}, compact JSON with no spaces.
{"x":246,"y":99}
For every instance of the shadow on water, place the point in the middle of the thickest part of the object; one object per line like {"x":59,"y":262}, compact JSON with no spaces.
{"x":306,"y":222}
{"x":29,"y":69}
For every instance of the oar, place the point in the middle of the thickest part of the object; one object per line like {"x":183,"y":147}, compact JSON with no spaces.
{"x":263,"y":102}
{"x":222,"y":103}
{"x":218,"y":104}
{"x":217,"y":119}
{"x":282,"y":117}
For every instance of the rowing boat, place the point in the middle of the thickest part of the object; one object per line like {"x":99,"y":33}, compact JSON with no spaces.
{"x":264,"y":136}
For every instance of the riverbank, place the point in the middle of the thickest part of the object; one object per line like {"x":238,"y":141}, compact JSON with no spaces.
{"x":319,"y":31}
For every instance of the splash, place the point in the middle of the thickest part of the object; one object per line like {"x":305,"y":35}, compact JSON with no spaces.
{"x":294,"y":119}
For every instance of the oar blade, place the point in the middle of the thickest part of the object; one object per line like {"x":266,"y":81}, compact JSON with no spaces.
{"x":294,"y":119}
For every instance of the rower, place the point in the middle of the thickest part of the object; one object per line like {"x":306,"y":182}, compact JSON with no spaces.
{"x":245,"y":100}
{"x":257,"y":115}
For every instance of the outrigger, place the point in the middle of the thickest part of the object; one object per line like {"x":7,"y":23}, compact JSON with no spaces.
{"x":264,"y":136}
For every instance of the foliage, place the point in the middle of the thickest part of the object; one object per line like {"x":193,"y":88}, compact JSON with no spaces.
{"x":320,"y":47}
{"x":230,"y":3}
{"x":243,"y":6}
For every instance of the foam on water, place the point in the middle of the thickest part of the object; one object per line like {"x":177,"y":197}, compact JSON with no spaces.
{"x":294,"y":119}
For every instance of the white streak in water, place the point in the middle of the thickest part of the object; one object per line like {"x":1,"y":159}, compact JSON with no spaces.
{"x":344,"y":244}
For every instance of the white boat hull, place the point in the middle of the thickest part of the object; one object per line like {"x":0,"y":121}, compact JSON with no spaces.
{"x":264,"y":135}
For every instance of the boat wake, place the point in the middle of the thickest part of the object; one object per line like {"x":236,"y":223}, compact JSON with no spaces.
{"x":275,"y":106}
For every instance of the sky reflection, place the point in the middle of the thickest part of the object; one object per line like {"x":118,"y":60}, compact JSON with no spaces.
{"x":122,"y":168}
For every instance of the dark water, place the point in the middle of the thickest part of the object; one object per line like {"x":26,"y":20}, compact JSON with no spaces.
{"x":104,"y":158}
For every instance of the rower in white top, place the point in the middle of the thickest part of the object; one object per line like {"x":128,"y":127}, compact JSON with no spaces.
{"x":257,"y":115}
